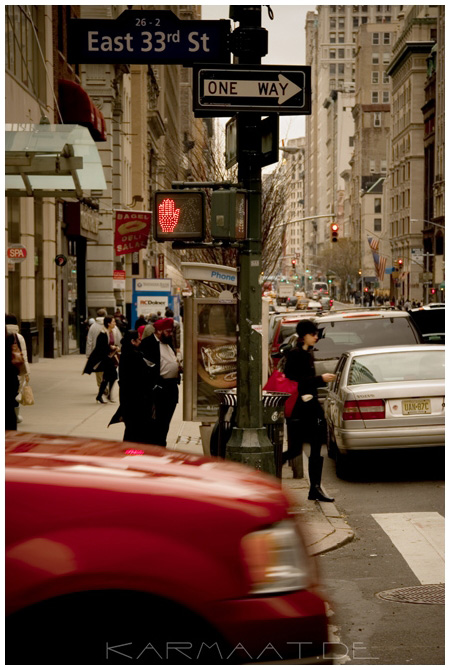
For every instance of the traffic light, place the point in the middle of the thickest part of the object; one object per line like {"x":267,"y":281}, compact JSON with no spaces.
{"x":179,"y":215}
{"x":400,"y":263}
{"x":334,"y":232}
{"x":294,"y":263}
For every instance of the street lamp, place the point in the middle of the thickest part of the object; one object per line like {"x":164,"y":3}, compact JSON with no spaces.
{"x":432,"y":223}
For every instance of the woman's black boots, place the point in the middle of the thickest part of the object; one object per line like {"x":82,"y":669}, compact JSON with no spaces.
{"x":101,"y":391}
{"x":315,"y":475}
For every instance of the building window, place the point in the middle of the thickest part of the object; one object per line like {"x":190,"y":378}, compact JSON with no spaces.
{"x":374,"y":97}
{"x":351,"y":141}
{"x":332,"y":53}
{"x":386,"y":38}
{"x":386,"y":97}
{"x":385,"y":78}
{"x":340,"y":84}
{"x":377,"y":225}
{"x":332,"y":38}
{"x":375,"y":38}
{"x":332,"y":68}
{"x":23,"y":59}
{"x":387,"y":19}
{"x":375,"y":78}
{"x":386,"y":57}
{"x":375,"y":59}
{"x":332,"y":23}
{"x":372,"y":166}
{"x":383,"y":165}
{"x":377,"y":119}
{"x":377,"y":206}
{"x":363,"y":19}
{"x":355,"y":21}
{"x":332,"y":83}
{"x":341,"y":53}
{"x":379,"y":19}
{"x":341,"y":68}
{"x":341,"y":38}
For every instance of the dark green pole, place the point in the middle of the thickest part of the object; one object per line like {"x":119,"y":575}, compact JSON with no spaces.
{"x":249,"y":442}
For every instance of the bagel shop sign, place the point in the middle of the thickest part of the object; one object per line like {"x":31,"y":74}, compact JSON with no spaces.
{"x":132,"y":229}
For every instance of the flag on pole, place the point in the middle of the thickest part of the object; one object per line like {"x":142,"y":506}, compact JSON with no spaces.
{"x":373,"y":243}
{"x":380,"y":265}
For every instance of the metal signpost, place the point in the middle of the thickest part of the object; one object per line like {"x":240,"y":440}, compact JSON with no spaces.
{"x":148,"y":36}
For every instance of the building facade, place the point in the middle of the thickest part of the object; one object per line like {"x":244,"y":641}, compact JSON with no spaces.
{"x":331,"y":40}
{"x":406,"y":184}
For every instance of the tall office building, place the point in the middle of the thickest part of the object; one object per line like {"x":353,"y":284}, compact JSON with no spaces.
{"x":331,"y":36}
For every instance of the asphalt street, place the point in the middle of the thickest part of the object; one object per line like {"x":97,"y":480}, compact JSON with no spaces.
{"x":395,"y":504}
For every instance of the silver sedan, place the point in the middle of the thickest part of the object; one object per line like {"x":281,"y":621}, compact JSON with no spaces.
{"x":386,"y":398}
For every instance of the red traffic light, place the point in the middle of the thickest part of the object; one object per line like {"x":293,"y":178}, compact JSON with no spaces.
{"x":179,"y":215}
{"x":294,"y":262}
{"x":400,"y":262}
{"x":334,"y":232}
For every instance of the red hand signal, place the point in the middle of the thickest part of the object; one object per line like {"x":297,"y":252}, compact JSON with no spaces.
{"x":168,"y":216}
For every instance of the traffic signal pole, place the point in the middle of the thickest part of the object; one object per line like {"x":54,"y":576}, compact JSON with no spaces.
{"x":249,"y":442}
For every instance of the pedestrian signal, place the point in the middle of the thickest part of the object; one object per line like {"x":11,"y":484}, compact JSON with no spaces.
{"x":179,"y":215}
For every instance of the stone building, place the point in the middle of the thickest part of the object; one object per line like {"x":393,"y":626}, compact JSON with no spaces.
{"x":406,"y":184}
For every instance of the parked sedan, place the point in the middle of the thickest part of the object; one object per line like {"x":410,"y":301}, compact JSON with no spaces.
{"x":386,"y":398}
{"x":115,"y":555}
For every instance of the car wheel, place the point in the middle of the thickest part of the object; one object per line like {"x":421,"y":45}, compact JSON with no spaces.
{"x":110,"y":627}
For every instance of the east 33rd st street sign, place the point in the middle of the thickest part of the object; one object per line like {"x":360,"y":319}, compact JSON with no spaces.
{"x":148,"y":36}
{"x":220,"y":91}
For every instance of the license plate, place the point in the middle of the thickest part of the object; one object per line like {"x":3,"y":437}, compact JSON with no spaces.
{"x":417,"y":406}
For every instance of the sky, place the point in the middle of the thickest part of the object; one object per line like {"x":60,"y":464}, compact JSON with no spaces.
{"x":286,"y":47}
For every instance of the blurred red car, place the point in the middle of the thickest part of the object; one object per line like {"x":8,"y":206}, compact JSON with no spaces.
{"x":114,"y":555}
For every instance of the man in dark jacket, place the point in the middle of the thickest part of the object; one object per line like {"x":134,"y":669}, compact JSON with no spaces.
{"x":157,"y":350}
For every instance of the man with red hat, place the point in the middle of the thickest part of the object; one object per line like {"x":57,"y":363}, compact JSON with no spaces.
{"x":158,"y":351}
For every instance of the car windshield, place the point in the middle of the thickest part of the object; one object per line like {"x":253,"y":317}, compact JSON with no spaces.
{"x":336,"y":337}
{"x":396,"y":367}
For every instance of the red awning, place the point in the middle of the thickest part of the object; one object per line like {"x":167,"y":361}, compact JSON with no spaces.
{"x":77,"y":107}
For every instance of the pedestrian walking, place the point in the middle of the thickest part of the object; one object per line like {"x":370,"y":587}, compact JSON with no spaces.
{"x":140,"y":321}
{"x":105,"y":359}
{"x":94,"y":329}
{"x":136,"y":381}
{"x":307,"y":421}
{"x":23,"y":371}
{"x":158,"y":350}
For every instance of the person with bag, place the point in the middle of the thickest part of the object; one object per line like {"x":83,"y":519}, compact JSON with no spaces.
{"x":23,"y":367}
{"x":95,"y":328}
{"x":104,"y":358}
{"x":136,"y":381}
{"x":307,"y":421}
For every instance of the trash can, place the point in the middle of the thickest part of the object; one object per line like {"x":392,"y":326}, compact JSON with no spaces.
{"x":273,"y":420}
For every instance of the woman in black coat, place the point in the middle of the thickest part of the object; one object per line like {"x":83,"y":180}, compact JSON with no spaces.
{"x":104,"y":358}
{"x":136,"y":381}
{"x":307,"y":421}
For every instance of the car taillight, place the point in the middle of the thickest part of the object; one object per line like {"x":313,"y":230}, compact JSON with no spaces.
{"x":363,"y":409}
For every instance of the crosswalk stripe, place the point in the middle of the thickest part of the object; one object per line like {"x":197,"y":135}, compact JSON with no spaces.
{"x":420,"y":538}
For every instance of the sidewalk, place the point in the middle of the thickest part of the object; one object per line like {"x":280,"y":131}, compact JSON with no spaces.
{"x":65,"y":405}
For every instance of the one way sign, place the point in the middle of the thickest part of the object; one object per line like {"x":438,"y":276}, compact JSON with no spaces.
{"x":222,"y":91}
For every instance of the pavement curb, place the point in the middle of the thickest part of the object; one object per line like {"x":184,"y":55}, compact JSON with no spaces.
{"x":340,"y":534}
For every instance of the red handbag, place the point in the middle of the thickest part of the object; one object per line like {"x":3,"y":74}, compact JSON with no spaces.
{"x":279,"y":382}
